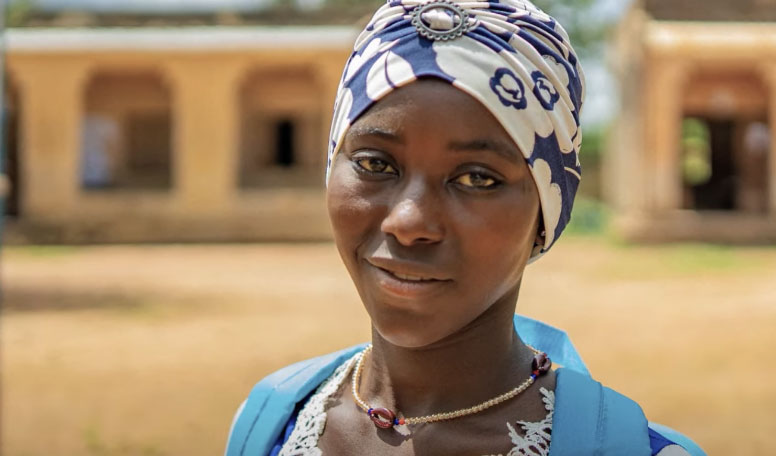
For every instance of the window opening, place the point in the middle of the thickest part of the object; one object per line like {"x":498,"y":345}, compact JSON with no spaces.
{"x":284,"y":143}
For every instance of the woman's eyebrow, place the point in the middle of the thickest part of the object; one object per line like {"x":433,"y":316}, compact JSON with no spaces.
{"x":483,"y":144}
{"x":377,"y":132}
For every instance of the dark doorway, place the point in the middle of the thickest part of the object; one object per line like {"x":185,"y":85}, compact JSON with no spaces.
{"x":712,"y":188}
{"x":284,"y":143}
{"x":720,"y":168}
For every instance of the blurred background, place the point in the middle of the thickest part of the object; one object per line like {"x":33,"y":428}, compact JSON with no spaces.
{"x":165,"y":242}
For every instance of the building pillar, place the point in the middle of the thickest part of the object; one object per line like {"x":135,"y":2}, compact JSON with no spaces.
{"x":768,"y":73}
{"x":665,"y":88}
{"x":205,"y":133}
{"x":52,"y":93}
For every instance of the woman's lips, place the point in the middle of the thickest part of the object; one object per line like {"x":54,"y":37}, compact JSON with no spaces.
{"x":410,"y":277}
{"x":407,"y":284}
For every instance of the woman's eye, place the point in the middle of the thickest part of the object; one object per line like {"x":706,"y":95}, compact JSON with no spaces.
{"x":375,"y":165}
{"x":476,"y":180}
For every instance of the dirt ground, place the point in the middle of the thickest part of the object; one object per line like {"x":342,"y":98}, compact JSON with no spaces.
{"x":148,"y":350}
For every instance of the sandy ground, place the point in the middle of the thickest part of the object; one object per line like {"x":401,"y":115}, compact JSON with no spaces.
{"x":128,"y":350}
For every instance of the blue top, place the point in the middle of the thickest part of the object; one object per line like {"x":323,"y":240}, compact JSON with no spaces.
{"x":589,"y":418}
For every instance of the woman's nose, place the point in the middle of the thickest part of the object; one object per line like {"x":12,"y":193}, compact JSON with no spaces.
{"x":415,"y":217}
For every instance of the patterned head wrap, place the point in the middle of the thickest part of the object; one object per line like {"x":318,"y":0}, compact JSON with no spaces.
{"x":509,"y":55}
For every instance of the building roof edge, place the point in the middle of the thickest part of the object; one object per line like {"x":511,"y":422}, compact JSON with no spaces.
{"x":35,"y":40}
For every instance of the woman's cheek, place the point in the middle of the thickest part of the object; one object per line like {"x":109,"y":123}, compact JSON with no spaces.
{"x":351,"y":211}
{"x":346,"y":203}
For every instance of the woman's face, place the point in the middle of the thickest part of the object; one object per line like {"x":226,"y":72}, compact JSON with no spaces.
{"x":434,"y":212}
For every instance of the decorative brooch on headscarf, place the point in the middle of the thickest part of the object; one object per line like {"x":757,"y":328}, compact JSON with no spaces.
{"x":509,"y":55}
{"x":440,"y":20}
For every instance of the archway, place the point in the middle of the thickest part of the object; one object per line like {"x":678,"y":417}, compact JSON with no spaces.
{"x":725,"y":143}
{"x":280,"y":128}
{"x":127,"y":132}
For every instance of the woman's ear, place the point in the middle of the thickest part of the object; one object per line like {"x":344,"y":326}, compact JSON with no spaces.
{"x":540,"y":238}
{"x":541,"y":233}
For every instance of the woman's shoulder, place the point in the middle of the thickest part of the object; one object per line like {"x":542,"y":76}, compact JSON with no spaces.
{"x":273,"y":400}
{"x":591,"y":416}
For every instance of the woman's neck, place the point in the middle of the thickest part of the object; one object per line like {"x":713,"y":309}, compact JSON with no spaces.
{"x":482,"y":360}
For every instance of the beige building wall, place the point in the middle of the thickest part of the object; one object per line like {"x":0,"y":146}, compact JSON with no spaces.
{"x":670,"y":71}
{"x":224,"y":90}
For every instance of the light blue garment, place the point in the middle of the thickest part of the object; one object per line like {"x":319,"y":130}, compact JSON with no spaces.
{"x":589,"y":418}
{"x":592,"y":419}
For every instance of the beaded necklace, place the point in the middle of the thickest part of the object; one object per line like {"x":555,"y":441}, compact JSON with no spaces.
{"x":384,"y":418}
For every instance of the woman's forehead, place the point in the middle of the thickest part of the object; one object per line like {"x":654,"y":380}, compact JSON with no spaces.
{"x":425,"y":103}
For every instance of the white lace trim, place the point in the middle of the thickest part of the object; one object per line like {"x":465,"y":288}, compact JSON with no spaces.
{"x":311,"y":422}
{"x":536,"y":441}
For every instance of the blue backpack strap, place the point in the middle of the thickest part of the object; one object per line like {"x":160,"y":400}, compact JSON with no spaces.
{"x":677,"y":438}
{"x":553,"y":341}
{"x":592,"y":419}
{"x":272,"y":401}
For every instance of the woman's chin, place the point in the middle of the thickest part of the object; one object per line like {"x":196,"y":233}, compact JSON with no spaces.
{"x":406,"y":340}
{"x":409,"y":333}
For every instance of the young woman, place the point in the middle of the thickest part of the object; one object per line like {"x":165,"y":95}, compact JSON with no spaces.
{"x":453,"y":163}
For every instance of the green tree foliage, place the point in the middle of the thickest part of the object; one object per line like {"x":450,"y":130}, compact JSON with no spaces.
{"x":360,"y":4}
{"x":696,"y":152}
{"x":17,"y":12}
{"x":343,"y":12}
{"x":585,"y":28}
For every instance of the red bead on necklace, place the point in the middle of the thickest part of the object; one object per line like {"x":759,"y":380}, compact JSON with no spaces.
{"x":382,"y":417}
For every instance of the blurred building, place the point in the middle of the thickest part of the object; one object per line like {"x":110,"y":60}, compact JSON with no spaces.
{"x":163,"y":120}
{"x":692,"y":154}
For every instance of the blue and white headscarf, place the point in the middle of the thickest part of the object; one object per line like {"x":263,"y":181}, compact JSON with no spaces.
{"x":509,"y":55}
